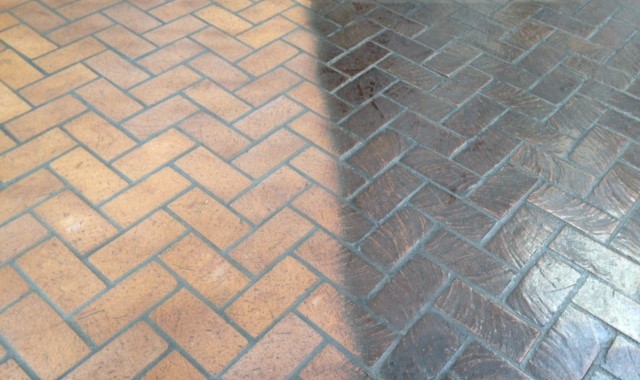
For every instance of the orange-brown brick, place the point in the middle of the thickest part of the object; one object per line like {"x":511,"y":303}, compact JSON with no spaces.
{"x":70,"y":54}
{"x":12,"y":286}
{"x":254,"y":311}
{"x":19,"y":235}
{"x":136,"y":245}
{"x":124,"y":357}
{"x":58,"y":84}
{"x":146,"y":196}
{"x":160,"y":117}
{"x":125,"y":302}
{"x":203,"y":213}
{"x":76,"y":221}
{"x":27,"y":192}
{"x":61,"y":275}
{"x":35,"y":152}
{"x":109,"y":100}
{"x":99,"y":136}
{"x":213,"y":173}
{"x":12,"y":105}
{"x":41,"y":337}
{"x":199,"y":330}
{"x":269,"y":153}
{"x":173,"y":366}
{"x":45,"y":117}
{"x":15,"y":71}
{"x":92,"y":178}
{"x":271,"y":240}
{"x":153,"y":154}
{"x":279,"y":352}
{"x":205,"y":270}
{"x":216,"y":136}
{"x":271,"y":194}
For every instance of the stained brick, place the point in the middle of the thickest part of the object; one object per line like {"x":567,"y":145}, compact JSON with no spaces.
{"x":27,"y":192}
{"x":159,"y":117}
{"x":269,"y":153}
{"x":165,"y":85}
{"x":213,"y":134}
{"x":15,"y":71}
{"x":217,"y":100}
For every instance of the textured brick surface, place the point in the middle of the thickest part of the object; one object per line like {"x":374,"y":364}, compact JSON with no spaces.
{"x":328,"y":189}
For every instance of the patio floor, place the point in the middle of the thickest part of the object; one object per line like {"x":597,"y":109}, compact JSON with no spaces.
{"x":319,"y":189}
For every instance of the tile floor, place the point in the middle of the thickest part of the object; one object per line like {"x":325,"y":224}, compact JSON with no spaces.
{"x":319,"y":189}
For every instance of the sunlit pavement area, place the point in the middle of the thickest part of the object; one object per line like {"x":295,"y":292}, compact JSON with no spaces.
{"x":319,"y":189}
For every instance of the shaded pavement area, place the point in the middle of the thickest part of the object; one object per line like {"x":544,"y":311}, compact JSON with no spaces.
{"x":319,"y":189}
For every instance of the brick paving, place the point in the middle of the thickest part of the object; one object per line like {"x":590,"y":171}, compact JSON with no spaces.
{"x":321,"y":189}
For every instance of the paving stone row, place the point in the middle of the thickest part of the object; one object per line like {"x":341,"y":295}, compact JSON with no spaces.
{"x":319,"y":189}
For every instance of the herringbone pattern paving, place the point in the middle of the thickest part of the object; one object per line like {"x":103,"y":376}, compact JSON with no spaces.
{"x":322,"y":189}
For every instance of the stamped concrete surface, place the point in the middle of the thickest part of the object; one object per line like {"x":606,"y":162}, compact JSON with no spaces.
{"x":319,"y":189}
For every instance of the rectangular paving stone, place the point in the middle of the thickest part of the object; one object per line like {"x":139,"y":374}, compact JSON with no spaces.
{"x":290,"y":338}
{"x":330,"y":310}
{"x":146,"y":196}
{"x":542,"y":291}
{"x":472,"y":117}
{"x":452,"y":58}
{"x":503,"y":190}
{"x":599,"y":260}
{"x":487,"y":320}
{"x":109,"y":100}
{"x":44,"y":339}
{"x":379,"y":152}
{"x":570,"y":347}
{"x":598,"y":149}
{"x":125,"y":302}
{"x":208,"y":338}
{"x":12,"y":104}
{"x":288,"y":280}
{"x":333,"y":258}
{"x":217,"y":100}
{"x":418,"y":101}
{"x":15,"y":71}
{"x":487,"y":151}
{"x":118,"y":70}
{"x":505,"y":72}
{"x":468,"y":261}
{"x":410,"y":72}
{"x":427,"y":134}
{"x":125,"y":41}
{"x":27,"y":41}
{"x":193,"y":259}
{"x":370,"y":117}
{"x":62,"y":276}
{"x":365,"y":86}
{"x":463,"y":85}
{"x":19,"y":235}
{"x":136,"y":245}
{"x":125,"y":356}
{"x":99,"y":135}
{"x":574,"y":211}
{"x":173,"y":365}
{"x":552,"y":168}
{"x":88,"y":175}
{"x":76,"y":221}
{"x":386,"y":192}
{"x":269,"y":153}
{"x":424,"y":350}
{"x":478,"y":362}
{"x":207,"y":169}
{"x":153,"y":154}
{"x":622,"y":358}
{"x":617,"y":191}
{"x":452,"y":212}
{"x":200,"y":211}
{"x":359,"y":59}
{"x":395,"y":237}
{"x":44,"y":117}
{"x":405,"y":47}
{"x":160,"y":117}
{"x":79,"y":29}
{"x":271,"y":240}
{"x":165,"y":85}
{"x":214,"y":135}
{"x":12,"y":287}
{"x":520,"y":100}
{"x":610,"y":306}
